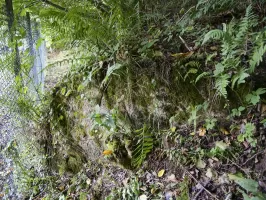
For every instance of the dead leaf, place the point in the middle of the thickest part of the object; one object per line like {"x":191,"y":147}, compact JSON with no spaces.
{"x":88,"y":181}
{"x":224,"y":131}
{"x":143,"y":197}
{"x":263,"y":108}
{"x":171,"y":178}
{"x":202,"y":131}
{"x":161,"y":173}
{"x":125,"y":181}
{"x":222,"y":145}
{"x":169,"y":195}
{"x":182,"y":55}
{"x":193,"y":133}
{"x":61,"y":187}
{"x":214,"y":48}
{"x":210,"y":173}
{"x":173,"y":129}
{"x":107,"y":152}
{"x":223,"y":179}
{"x":153,"y":190}
{"x":200,"y":164}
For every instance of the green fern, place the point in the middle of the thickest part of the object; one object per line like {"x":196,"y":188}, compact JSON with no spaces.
{"x":221,"y":83}
{"x":202,"y":75}
{"x":257,"y":56}
{"x":239,"y":77}
{"x":143,"y":146}
{"x":213,"y":34}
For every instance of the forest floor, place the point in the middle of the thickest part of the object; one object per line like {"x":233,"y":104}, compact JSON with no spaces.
{"x":179,"y":170}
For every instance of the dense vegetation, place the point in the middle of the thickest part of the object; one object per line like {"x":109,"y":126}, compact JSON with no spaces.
{"x":164,"y":99}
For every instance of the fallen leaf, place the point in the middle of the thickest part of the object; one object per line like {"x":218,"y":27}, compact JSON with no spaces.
{"x":161,"y":173}
{"x":224,"y":131}
{"x":200,"y":164}
{"x":125,"y":181}
{"x":171,"y":178}
{"x":61,"y":187}
{"x":173,"y":129}
{"x":88,"y":181}
{"x":210,"y":173}
{"x":263,"y":108}
{"x":223,"y":179}
{"x":169,"y":195}
{"x":202,"y":131}
{"x":153,"y":190}
{"x":214,"y":48}
{"x":143,"y":197}
{"x":107,"y":152}
{"x":182,"y":55}
{"x":222,"y":145}
{"x":193,"y":133}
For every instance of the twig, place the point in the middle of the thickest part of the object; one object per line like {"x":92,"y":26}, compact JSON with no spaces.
{"x":199,"y":192}
{"x":184,"y":42}
{"x":201,"y":185}
{"x":252,"y":157}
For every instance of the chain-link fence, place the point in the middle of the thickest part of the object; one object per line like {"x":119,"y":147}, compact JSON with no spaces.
{"x":32,"y":79}
{"x":9,"y":125}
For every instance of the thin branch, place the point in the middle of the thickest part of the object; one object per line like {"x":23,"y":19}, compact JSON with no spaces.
{"x":184,"y":42}
{"x":201,"y":185}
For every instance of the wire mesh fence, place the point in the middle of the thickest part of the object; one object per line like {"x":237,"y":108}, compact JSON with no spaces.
{"x":10,"y":123}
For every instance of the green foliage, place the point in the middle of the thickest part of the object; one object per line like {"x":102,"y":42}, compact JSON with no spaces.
{"x":234,"y":38}
{"x":194,"y":114}
{"x":237,"y":111}
{"x":250,"y":185}
{"x":143,"y":145}
{"x":254,"y":97}
{"x":248,"y":134}
{"x":130,"y":192}
{"x":210,"y":123}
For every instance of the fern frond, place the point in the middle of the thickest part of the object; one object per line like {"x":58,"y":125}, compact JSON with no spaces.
{"x":221,"y":83}
{"x":257,"y":57}
{"x":190,"y":71}
{"x":213,"y":34}
{"x":110,"y":72}
{"x":143,"y":146}
{"x":202,"y":75}
{"x":239,"y":77}
{"x":250,"y":20}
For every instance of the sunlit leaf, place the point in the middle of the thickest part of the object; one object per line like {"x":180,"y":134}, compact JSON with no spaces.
{"x":107,"y":152}
{"x":161,"y":173}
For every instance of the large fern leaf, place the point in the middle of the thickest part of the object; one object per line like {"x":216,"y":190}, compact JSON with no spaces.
{"x":143,"y":146}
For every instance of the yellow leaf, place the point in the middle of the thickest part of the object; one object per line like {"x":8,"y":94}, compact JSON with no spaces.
{"x":182,"y":55}
{"x":202,"y":131}
{"x":107,"y":152}
{"x":193,"y":133}
{"x":173,"y":129}
{"x":161,"y":173}
{"x":224,"y":131}
{"x":153,"y":190}
{"x":214,"y":48}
